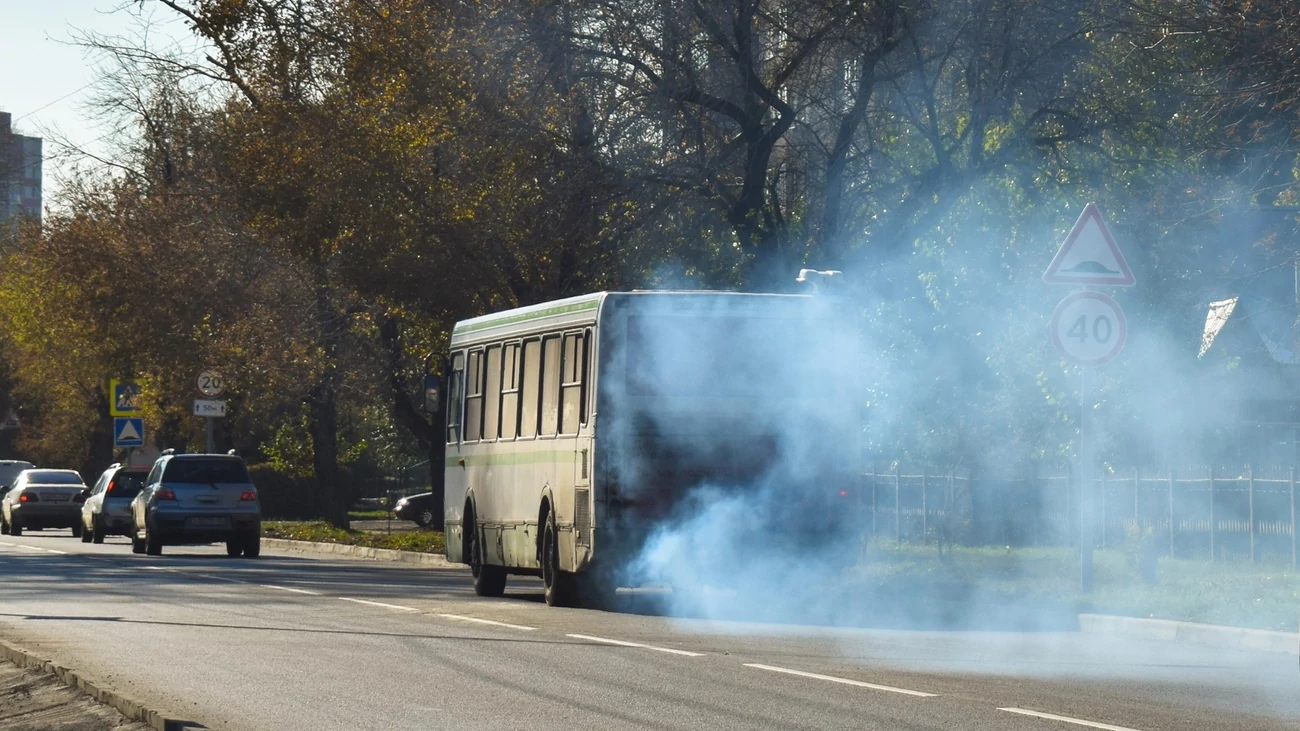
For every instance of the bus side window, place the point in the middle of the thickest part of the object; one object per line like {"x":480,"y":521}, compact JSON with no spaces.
{"x":455,"y":397}
{"x":550,"y":385}
{"x":586,"y":374}
{"x":571,"y":384}
{"x":532,"y":384}
{"x":510,"y":391}
{"x":492,"y":393}
{"x":474,"y":397}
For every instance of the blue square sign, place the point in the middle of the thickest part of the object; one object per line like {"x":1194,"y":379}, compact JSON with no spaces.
{"x":128,"y":431}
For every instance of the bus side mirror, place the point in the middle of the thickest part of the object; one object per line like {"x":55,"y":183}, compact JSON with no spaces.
{"x":431,"y":394}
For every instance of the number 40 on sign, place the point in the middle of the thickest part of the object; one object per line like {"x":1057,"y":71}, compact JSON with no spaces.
{"x":1089,"y":328}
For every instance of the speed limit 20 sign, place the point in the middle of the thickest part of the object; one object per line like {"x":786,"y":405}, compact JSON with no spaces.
{"x":1089,"y":328}
{"x":209,"y":384}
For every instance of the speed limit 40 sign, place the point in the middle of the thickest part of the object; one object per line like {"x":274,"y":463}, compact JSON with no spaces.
{"x":1089,"y":328}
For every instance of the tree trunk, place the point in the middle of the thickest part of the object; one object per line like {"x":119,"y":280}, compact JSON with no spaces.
{"x":323,"y":406}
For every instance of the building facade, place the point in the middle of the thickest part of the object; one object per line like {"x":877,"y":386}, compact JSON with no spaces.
{"x":20,"y":172}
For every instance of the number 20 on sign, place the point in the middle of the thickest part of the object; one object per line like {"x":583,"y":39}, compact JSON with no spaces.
{"x":1089,"y":328}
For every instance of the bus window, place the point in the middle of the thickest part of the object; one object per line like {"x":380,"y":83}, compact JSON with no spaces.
{"x":550,"y":386}
{"x":586,"y":374}
{"x":474,"y":397}
{"x":532,"y":384}
{"x":455,"y":396}
{"x":510,"y":391}
{"x":492,"y":393}
{"x":571,"y":384}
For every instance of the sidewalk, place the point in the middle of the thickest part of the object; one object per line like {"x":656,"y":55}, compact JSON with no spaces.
{"x":1233,"y":638}
{"x":434,"y":560}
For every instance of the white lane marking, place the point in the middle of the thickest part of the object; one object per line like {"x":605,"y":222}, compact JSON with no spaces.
{"x":494,"y":623}
{"x":1067,"y":719}
{"x":845,"y":681}
{"x":34,"y":548}
{"x":290,"y":588}
{"x":622,"y":643}
{"x":380,"y":604}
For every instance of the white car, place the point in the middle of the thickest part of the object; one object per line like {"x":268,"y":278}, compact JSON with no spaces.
{"x":107,"y":510}
{"x":43,"y":499}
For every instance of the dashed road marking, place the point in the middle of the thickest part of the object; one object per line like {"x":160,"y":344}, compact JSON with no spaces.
{"x":845,"y":681}
{"x":379,"y":604}
{"x":492,"y":622}
{"x":290,"y":588}
{"x":622,"y":643}
{"x":1067,"y":719}
{"x":38,"y":549}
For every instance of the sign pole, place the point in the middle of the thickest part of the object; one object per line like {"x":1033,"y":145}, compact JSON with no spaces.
{"x":1085,"y":480}
{"x":212,"y":444}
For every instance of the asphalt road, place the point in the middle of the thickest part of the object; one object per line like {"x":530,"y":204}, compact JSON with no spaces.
{"x":292,"y":642}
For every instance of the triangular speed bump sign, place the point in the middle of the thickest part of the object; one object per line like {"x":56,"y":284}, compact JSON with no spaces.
{"x":128,"y":432}
{"x":1089,"y":255}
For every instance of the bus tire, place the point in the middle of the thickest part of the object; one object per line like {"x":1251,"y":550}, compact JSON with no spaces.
{"x":561,"y":586}
{"x":489,"y":580}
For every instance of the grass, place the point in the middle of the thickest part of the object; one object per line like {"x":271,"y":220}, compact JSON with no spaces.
{"x":421,"y":541}
{"x":1265,"y":596}
{"x":368,"y":515}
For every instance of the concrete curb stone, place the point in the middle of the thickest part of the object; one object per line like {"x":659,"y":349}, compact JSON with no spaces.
{"x":1210,"y":635}
{"x":436,"y":560}
{"x":126,"y":705}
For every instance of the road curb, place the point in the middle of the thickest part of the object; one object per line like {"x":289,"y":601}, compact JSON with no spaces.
{"x":1210,"y":635}
{"x":436,"y":560}
{"x":126,"y":705}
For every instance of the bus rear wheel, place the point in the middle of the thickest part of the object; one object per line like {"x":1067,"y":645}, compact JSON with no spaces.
{"x":489,"y":580}
{"x":561,"y":586}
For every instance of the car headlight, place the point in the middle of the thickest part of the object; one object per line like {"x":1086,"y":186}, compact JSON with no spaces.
{"x":401,"y":503}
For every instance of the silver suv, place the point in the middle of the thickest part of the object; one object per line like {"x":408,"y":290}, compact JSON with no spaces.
{"x":197,"y":498}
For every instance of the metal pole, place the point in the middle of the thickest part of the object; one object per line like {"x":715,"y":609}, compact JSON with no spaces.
{"x":1213,"y":522}
{"x":898,"y":490}
{"x":1293,"y":557}
{"x":212,"y":442}
{"x":1171,"y":512}
{"x":1103,"y":509}
{"x":925,"y":532}
{"x":1085,"y":483}
{"x":1250,"y":483}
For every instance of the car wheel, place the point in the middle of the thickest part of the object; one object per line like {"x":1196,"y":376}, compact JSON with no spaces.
{"x":489,"y":580}
{"x":234,"y":547}
{"x":425,"y":518}
{"x":77,"y":531}
{"x":253,"y":546}
{"x":4,"y":526}
{"x":86,"y":535}
{"x":97,"y":531}
{"x":152,"y":545}
{"x":137,"y":543}
{"x":15,"y":528}
{"x":561,"y":589}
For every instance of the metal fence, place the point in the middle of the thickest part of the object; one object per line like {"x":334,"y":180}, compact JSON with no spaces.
{"x":1207,"y":513}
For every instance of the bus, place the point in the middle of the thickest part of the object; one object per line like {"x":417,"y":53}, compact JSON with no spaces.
{"x":578,"y":428}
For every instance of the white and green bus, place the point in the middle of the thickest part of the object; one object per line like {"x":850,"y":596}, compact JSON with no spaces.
{"x":579,"y":427}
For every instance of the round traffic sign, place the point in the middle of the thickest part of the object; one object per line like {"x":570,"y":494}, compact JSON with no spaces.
{"x":1089,"y":328}
{"x":209,"y":383}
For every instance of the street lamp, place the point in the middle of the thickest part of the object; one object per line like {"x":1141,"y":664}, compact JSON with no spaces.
{"x":817,"y":277}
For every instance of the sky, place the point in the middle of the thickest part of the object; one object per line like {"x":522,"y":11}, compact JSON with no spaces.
{"x":48,"y":79}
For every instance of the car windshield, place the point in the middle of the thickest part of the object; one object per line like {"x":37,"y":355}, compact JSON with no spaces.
{"x":51,"y":477}
{"x":126,"y":484}
{"x":206,"y":471}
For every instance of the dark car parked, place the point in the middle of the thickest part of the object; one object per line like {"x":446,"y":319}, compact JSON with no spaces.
{"x":419,"y":508}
